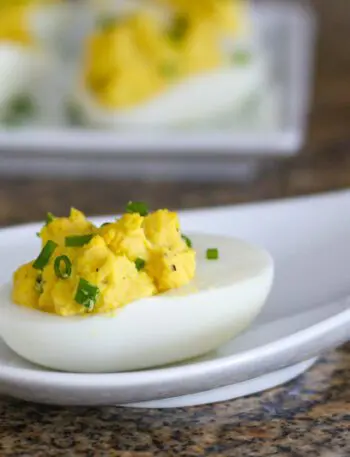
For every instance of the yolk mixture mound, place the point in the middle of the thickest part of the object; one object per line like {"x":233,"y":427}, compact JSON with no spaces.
{"x":130,"y":59}
{"x":14,"y":19}
{"x":84,"y":269}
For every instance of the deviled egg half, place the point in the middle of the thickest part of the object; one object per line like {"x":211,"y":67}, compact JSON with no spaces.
{"x":165,"y":63}
{"x":132,"y":294}
{"x":31,"y":36}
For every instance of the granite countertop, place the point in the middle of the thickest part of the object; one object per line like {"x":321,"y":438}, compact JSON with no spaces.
{"x":304,"y":418}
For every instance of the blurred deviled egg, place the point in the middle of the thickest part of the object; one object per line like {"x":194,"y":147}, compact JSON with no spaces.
{"x":167,"y":63}
{"x":30,"y":32}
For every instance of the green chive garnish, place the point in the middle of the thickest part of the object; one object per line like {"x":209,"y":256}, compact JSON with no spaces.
{"x":78,"y":240}
{"x":179,"y":28}
{"x":139,"y":264}
{"x":212,"y":254}
{"x":105,"y":223}
{"x":168,"y":70}
{"x":49,"y":218}
{"x":106,"y":22}
{"x":187,"y":241}
{"x":63,"y":267}
{"x":241,"y":57}
{"x":137,"y":207}
{"x":44,"y":256}
{"x":21,"y":109}
{"x":87,"y":294}
{"x":75,"y":115}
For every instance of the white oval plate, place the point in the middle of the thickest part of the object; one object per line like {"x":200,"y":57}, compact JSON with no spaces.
{"x":308,"y":312}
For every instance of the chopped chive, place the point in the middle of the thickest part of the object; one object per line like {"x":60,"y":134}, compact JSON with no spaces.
{"x":44,"y":256}
{"x":39,"y":285}
{"x":106,"y":22}
{"x":20,"y":110}
{"x":75,"y":115}
{"x":168,"y":70}
{"x":105,"y":223}
{"x":178,"y":28}
{"x":137,"y":207}
{"x":65,"y":271}
{"x":38,"y":234}
{"x":140,"y":264}
{"x":187,"y":241}
{"x":212,"y":254}
{"x":241,"y":57}
{"x":87,"y":294}
{"x":49,"y":218}
{"x":78,"y":240}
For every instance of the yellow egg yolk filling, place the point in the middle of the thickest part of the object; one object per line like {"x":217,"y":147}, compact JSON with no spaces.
{"x":98,"y":270}
{"x":131,"y":59}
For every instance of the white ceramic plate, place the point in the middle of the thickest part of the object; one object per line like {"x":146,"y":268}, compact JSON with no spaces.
{"x":308,"y":312}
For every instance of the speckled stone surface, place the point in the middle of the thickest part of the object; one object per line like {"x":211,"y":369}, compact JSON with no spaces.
{"x":307,"y":417}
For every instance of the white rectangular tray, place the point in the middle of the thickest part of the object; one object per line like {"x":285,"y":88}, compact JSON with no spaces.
{"x":288,"y":33}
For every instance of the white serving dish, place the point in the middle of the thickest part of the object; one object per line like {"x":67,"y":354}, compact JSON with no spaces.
{"x":307,"y":313}
{"x":273,"y":124}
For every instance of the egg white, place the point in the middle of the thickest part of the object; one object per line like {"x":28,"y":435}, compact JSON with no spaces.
{"x":18,"y":66}
{"x":53,"y":27}
{"x":222,"y":301}
{"x":29,"y":72}
{"x":192,"y":100}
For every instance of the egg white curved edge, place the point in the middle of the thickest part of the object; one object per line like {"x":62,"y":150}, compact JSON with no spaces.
{"x":30,"y":71}
{"x":58,"y":27}
{"x":19,"y":67}
{"x":220,"y":303}
{"x":47,"y":21}
{"x":192,"y":100}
